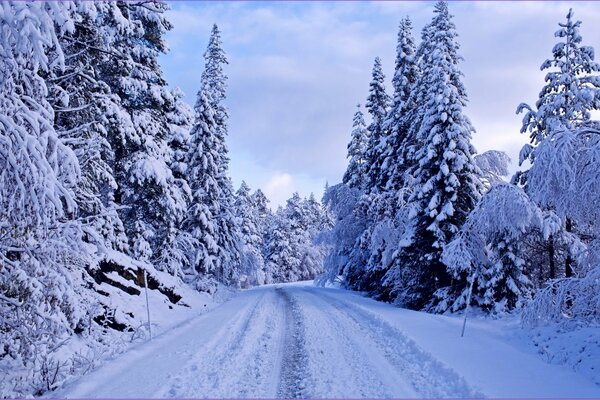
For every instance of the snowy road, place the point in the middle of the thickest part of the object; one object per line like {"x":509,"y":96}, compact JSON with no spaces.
{"x":302,"y":341}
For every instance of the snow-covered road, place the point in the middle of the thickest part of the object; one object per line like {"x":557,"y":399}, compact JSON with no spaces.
{"x":302,"y":341}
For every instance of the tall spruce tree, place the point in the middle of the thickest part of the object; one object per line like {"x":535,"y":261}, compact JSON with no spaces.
{"x":202,"y":167}
{"x":572,"y":90}
{"x":355,"y":175}
{"x":377,"y":106}
{"x":227,"y":232}
{"x":572,"y":87}
{"x":398,"y":120}
{"x":447,"y":182}
{"x":85,"y":108}
{"x":150,"y":198}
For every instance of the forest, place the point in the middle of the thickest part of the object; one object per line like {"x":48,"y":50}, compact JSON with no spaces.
{"x":110,"y":184}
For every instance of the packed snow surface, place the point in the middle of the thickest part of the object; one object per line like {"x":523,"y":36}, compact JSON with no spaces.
{"x":298,"y":340}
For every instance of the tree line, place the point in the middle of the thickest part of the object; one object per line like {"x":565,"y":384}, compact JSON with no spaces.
{"x":425,"y":223}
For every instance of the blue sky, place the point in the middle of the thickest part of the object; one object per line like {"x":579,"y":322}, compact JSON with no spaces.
{"x":298,"y":69}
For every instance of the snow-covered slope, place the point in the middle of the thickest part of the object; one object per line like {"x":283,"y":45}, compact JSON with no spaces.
{"x":302,"y":341}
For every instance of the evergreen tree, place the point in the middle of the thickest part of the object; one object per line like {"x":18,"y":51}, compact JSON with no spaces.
{"x":202,"y":166}
{"x":252,"y":254}
{"x":447,"y":182}
{"x":85,"y":108}
{"x":175,"y":257}
{"x":227,"y":232}
{"x":281,"y":263}
{"x":398,"y":120}
{"x":572,"y":89}
{"x":151,"y":199}
{"x":355,"y":174}
{"x":377,"y":106}
{"x":487,"y":249}
{"x":40,"y":240}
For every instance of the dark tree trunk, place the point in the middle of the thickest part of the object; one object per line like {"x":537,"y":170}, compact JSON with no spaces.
{"x":551,"y":252}
{"x":569,"y":259}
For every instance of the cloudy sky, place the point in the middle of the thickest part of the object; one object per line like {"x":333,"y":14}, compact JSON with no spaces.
{"x":298,"y":69}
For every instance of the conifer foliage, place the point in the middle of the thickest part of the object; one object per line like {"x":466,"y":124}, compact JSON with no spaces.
{"x":422,"y":179}
{"x":355,"y":175}
{"x":436,"y":227}
{"x":211,"y":218}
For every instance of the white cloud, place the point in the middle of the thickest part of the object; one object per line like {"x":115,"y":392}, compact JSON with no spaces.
{"x":297,"y":70}
{"x":279,"y":188}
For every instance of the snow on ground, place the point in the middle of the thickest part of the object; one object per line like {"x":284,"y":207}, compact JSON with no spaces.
{"x":577,"y":348}
{"x":131,"y":311}
{"x":303,"y":341}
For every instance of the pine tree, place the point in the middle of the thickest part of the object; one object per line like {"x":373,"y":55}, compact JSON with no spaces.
{"x":227,"y":232}
{"x":84,"y":108}
{"x":40,"y":239}
{"x":281,"y":262}
{"x":572,"y":89}
{"x":377,"y":106}
{"x":506,"y":286}
{"x":488,"y":250}
{"x":355,"y":174}
{"x":447,"y":183}
{"x":398,"y":120}
{"x":147,"y":190}
{"x":202,"y":167}
{"x":175,"y":258}
{"x":252,"y":254}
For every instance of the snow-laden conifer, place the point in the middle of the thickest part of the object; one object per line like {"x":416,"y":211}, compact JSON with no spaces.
{"x":572,"y":87}
{"x":355,"y":175}
{"x":377,"y":106}
{"x":247,"y":213}
{"x":150,"y":198}
{"x":447,"y":182}
{"x":398,"y":120}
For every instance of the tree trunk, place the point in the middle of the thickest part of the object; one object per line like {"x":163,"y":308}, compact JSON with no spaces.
{"x":551,"y":258}
{"x":569,"y":259}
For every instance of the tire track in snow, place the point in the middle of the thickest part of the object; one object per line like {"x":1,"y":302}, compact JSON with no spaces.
{"x":230,"y":365}
{"x":294,"y":381}
{"x":429,"y":377}
{"x":344,"y":364}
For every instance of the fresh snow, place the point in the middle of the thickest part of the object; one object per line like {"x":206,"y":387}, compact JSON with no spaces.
{"x":298,"y":340}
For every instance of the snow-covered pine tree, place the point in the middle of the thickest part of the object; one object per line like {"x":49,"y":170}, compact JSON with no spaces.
{"x":447,"y":182}
{"x":175,"y":256}
{"x":281,"y":262}
{"x":572,"y":87}
{"x":487,"y":249}
{"x":227,"y":232}
{"x":202,"y":170}
{"x":252,"y":268}
{"x":264,"y":220}
{"x":84,"y":108}
{"x":377,"y":106}
{"x":181,"y":117}
{"x":572,"y":90}
{"x":398,"y":120}
{"x":40,"y":241}
{"x":147,"y":189}
{"x":341,"y":201}
{"x":355,"y":175}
